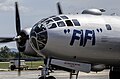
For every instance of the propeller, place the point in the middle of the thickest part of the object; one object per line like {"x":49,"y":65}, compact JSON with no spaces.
{"x":21,"y":37}
{"x":59,"y":8}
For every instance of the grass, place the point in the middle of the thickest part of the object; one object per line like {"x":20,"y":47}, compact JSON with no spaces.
{"x":4,"y":65}
{"x":35,"y":64}
{"x":30,"y":64}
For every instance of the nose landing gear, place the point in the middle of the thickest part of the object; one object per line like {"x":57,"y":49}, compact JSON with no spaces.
{"x":45,"y":71}
{"x":48,"y":62}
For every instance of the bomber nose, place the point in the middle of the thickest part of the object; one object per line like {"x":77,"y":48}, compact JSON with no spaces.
{"x":38,"y":36}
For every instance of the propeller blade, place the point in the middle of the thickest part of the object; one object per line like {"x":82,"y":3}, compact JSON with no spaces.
{"x":18,"y":30}
{"x":17,"y":18}
{"x":19,"y":69}
{"x":59,"y":8}
{"x":6,"y":39}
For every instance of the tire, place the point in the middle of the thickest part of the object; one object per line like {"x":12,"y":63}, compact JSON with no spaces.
{"x":12,"y":67}
{"x":41,"y":77}
{"x":114,"y":75}
{"x":51,"y":77}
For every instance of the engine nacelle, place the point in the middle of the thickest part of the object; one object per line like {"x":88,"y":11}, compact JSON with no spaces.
{"x":29,"y":50}
{"x":98,"y":67}
{"x":24,"y":45}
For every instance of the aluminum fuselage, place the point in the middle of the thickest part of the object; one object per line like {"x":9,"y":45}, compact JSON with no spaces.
{"x":82,"y":46}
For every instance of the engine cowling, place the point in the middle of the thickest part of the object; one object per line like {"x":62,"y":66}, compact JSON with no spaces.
{"x":23,"y":44}
{"x":29,"y":50}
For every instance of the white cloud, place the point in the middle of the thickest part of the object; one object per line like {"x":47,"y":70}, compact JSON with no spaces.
{"x":8,"y":5}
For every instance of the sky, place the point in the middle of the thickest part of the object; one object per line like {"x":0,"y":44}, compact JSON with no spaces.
{"x":31,"y":11}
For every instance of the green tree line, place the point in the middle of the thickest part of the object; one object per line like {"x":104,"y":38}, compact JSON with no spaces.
{"x":6,"y":54}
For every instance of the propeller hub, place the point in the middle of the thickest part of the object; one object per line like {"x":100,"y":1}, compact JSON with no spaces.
{"x":21,"y":41}
{"x":17,"y":38}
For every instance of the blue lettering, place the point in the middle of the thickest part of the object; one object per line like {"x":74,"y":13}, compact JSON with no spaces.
{"x":93,"y":35}
{"x":78,"y":35}
{"x":81,"y":39}
{"x":87,"y":36}
{"x":74,"y":36}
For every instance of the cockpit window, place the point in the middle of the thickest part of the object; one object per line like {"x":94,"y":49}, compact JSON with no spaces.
{"x":42,"y":20}
{"x":76,"y":23}
{"x":49,"y":21}
{"x":61,"y":24}
{"x":56,"y":19}
{"x":52,"y":16}
{"x":53,"y":25}
{"x":69,"y":23}
{"x":108,"y":27}
{"x":64,"y":17}
{"x":38,"y":27}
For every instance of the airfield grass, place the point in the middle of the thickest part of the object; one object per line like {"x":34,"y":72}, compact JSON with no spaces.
{"x":30,"y":64}
{"x":34,"y":64}
{"x":4,"y":65}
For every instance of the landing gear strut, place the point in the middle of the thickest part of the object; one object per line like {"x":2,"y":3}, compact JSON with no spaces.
{"x":45,"y":70}
{"x":114,"y":73}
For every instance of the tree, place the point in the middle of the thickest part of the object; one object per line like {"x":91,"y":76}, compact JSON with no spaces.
{"x":4,"y":52}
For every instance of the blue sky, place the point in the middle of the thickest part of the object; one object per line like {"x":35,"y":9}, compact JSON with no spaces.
{"x":32,"y":11}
